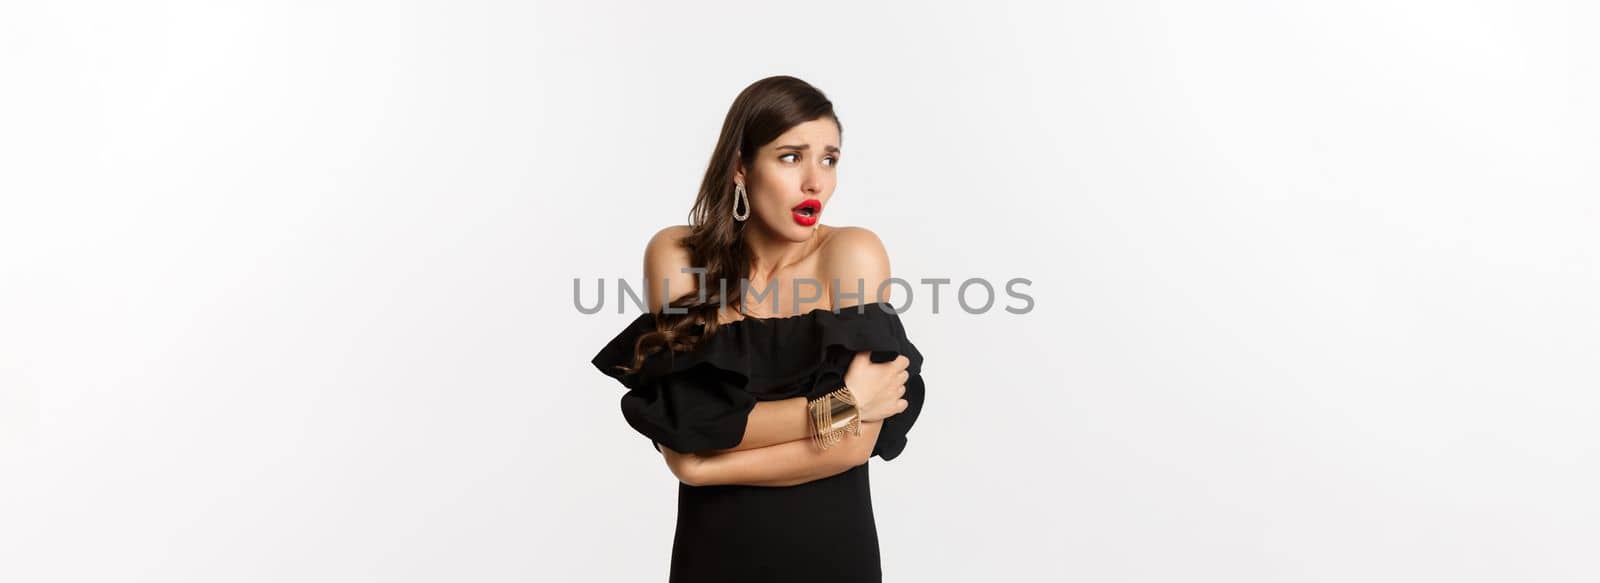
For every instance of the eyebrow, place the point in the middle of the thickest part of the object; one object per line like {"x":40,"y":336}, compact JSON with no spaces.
{"x":833,"y":149}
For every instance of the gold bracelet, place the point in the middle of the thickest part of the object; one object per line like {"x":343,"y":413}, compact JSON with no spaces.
{"x":832,"y":415}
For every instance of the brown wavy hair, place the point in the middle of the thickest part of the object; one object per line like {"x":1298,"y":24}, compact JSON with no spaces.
{"x":762,"y":112}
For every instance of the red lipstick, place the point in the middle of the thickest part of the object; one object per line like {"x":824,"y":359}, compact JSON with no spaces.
{"x":807,"y":211}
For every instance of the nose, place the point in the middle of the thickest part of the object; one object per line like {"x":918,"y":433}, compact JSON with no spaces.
{"x":811,"y":183}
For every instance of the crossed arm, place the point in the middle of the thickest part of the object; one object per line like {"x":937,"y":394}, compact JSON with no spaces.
{"x":776,"y":451}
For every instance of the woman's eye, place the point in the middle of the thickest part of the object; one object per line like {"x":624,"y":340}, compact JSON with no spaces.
{"x":831,"y":160}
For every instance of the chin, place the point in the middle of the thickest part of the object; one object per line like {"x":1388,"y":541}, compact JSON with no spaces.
{"x":796,"y":232}
{"x":789,"y":230}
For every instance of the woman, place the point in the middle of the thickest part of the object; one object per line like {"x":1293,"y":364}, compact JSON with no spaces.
{"x":768,"y":410}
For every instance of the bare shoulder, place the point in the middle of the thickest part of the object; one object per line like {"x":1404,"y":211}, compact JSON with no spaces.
{"x":668,"y":238}
{"x":854,"y":247}
{"x":664,"y":260}
{"x":855,"y":256}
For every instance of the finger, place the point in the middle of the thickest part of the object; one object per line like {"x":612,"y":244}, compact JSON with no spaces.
{"x":904,"y":376}
{"x":902,"y":361}
{"x":901,"y":390}
{"x":903,"y":405}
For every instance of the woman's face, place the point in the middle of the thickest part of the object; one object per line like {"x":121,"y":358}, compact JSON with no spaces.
{"x":797,"y":169}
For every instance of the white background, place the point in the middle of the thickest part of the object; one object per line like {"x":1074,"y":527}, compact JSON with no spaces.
{"x":286,"y":287}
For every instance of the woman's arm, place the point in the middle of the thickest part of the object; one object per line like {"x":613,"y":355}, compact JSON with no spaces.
{"x":785,"y":464}
{"x":772,"y":423}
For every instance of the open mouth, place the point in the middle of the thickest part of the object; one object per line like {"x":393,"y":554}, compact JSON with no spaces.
{"x":810,"y":207}
{"x":806,"y":212}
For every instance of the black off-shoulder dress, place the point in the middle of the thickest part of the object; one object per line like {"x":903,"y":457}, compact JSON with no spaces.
{"x":822,"y":530}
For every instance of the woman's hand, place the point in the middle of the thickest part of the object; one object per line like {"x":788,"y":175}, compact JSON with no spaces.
{"x":877,"y":386}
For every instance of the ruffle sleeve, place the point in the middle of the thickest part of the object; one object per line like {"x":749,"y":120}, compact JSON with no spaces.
{"x":876,"y":328}
{"x":682,"y":401}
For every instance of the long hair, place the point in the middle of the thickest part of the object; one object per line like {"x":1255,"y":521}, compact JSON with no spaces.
{"x":762,"y":112}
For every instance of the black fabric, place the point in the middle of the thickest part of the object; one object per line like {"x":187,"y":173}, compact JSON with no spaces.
{"x":822,"y":530}
{"x":700,"y":401}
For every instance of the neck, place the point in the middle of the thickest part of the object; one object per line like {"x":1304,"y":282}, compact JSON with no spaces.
{"x":769,"y":253}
